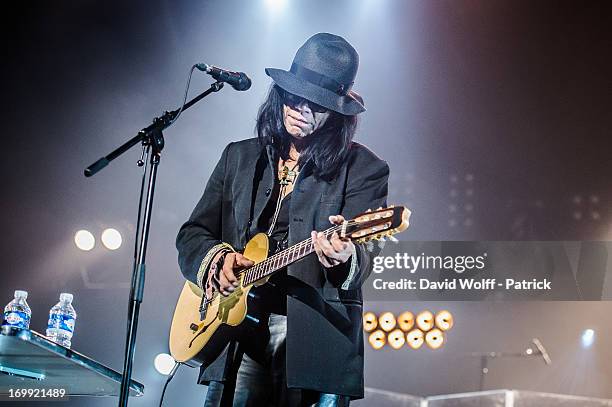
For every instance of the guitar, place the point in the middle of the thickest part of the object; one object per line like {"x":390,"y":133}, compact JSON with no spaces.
{"x":201,"y":329}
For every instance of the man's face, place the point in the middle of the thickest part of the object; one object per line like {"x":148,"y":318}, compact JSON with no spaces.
{"x":301,"y":117}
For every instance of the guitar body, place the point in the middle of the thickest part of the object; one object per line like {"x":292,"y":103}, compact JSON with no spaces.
{"x":198,"y":338}
{"x":195,"y":341}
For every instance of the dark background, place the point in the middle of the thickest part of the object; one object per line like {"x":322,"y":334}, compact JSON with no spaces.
{"x":494,"y":117}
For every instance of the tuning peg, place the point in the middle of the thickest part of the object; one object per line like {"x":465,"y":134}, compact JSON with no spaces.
{"x":369,"y":210}
{"x":382,"y":238}
{"x":393,"y":239}
{"x":369,"y":245}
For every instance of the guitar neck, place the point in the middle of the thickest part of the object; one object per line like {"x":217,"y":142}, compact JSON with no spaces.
{"x":283,"y":258}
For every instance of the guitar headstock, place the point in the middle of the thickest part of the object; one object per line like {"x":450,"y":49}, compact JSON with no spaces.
{"x":377,"y":224}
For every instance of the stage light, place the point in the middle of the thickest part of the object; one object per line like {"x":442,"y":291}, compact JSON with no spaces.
{"x":587,"y":211}
{"x":377,"y":339}
{"x":164,"y":363}
{"x":387,"y":321}
{"x":84,"y":240}
{"x":387,"y":329}
{"x":415,"y":338}
{"x":406,"y":321}
{"x":396,"y":339}
{"x":425,"y":320}
{"x":461,"y":206}
{"x":370,"y":322}
{"x":434,"y":338}
{"x":111,"y":239}
{"x":588,"y":337}
{"x":276,"y":5}
{"x":444,"y":320}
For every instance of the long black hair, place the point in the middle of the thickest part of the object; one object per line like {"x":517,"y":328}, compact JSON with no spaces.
{"x":328,"y":146}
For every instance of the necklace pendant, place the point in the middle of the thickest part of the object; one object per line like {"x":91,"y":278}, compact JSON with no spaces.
{"x":291,"y":175}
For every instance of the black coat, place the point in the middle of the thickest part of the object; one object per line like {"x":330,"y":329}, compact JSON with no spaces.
{"x":324,"y":342}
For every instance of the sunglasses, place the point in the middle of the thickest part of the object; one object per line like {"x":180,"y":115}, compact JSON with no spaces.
{"x":293,"y":100}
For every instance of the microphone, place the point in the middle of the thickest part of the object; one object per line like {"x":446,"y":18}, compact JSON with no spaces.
{"x":237,"y":80}
{"x":542,"y":351}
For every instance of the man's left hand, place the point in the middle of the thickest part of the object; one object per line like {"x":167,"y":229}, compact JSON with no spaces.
{"x":335,"y":250}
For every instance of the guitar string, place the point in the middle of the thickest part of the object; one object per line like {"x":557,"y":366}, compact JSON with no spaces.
{"x":285,"y":253}
{"x":270,"y":260}
{"x":303,"y":244}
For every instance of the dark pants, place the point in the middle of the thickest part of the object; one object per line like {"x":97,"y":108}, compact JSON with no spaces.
{"x":264,"y":384}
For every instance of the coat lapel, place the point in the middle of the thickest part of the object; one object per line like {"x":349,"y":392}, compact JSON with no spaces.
{"x":258,"y":188}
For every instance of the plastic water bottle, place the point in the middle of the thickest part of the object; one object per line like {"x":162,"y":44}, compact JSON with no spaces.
{"x":61,"y":321}
{"x":17,"y":313}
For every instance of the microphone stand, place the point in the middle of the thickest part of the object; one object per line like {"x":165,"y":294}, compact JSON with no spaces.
{"x":484,"y":362}
{"x":152,"y":140}
{"x":485,"y":357}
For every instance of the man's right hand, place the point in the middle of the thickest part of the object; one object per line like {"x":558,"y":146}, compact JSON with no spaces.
{"x":227,"y":281}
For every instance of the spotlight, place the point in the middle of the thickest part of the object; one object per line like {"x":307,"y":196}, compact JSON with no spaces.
{"x":84,"y":240}
{"x":434,"y":338}
{"x":111,"y":239}
{"x":164,"y":363}
{"x":275,"y":5}
{"x":444,"y":320}
{"x":370,"y":322}
{"x":406,"y":321}
{"x":415,"y":338}
{"x":377,"y":339}
{"x":425,"y":320}
{"x":387,"y":321}
{"x":397,"y":339}
{"x":588,"y":337}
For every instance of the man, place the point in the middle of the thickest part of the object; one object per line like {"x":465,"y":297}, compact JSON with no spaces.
{"x":302,"y":172}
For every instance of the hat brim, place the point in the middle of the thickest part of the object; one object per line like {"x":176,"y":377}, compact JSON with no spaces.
{"x":345,"y":104}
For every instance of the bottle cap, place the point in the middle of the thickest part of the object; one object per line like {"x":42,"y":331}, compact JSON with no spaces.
{"x":21,"y":294}
{"x":65,"y":297}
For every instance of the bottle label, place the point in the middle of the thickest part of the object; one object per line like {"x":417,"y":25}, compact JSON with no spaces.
{"x":18,"y":319}
{"x":60,"y":321}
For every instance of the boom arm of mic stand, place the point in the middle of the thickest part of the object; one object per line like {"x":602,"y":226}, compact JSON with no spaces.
{"x":159,"y":124}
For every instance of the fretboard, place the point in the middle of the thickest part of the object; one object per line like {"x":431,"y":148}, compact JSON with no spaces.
{"x":282,"y":259}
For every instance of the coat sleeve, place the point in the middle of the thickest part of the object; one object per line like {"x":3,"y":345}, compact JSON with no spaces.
{"x":199,"y":239}
{"x":367,"y":188}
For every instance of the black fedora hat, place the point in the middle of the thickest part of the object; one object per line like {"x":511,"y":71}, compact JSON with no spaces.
{"x":323,"y":72}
